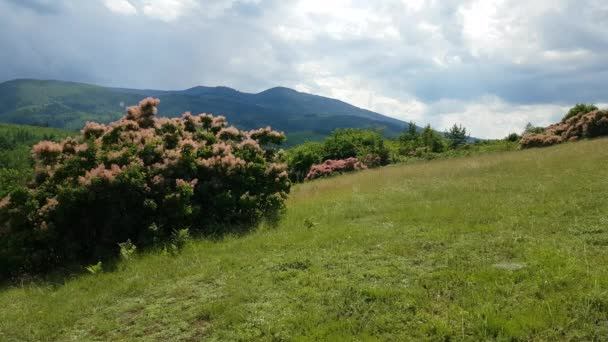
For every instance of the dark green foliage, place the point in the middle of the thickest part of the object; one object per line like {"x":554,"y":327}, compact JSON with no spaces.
{"x":15,"y":160}
{"x":412,"y":144}
{"x":457,"y":136}
{"x":365,"y":145}
{"x":302,"y":157}
{"x":368,"y":146}
{"x":410,"y":134}
{"x":428,"y":144}
{"x":579,"y":108}
{"x":420,"y":144}
{"x":531,"y":129}
{"x":14,"y":140}
{"x":432,"y":140}
{"x":596,"y":124}
{"x":513,"y":137}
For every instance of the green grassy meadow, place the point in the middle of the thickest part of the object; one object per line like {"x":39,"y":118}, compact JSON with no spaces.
{"x":509,"y":246}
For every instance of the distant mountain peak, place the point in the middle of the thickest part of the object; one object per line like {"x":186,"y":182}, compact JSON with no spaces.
{"x":219,"y":90}
{"x":279,"y":90}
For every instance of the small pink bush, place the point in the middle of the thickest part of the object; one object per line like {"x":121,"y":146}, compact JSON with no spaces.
{"x":330,"y":167}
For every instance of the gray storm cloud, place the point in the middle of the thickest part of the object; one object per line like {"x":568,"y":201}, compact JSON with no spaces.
{"x":492,"y":65}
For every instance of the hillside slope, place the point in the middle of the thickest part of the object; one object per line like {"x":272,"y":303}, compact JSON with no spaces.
{"x":300,"y":115}
{"x":507,"y":246}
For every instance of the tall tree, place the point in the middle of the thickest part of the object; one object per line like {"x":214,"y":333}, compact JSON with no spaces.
{"x":531,"y":129}
{"x":410,"y":133}
{"x":457,"y":136}
{"x":432,"y":140}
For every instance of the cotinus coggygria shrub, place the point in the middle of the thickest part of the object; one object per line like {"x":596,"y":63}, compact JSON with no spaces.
{"x":139,"y":179}
{"x":583,"y":125}
{"x":331,"y":167}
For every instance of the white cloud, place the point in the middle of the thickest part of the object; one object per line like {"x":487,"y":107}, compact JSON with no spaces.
{"x":288,"y":33}
{"x":167,"y":10}
{"x":414,"y":5}
{"x":123,"y":7}
{"x":492,"y":117}
{"x":358,"y":92}
{"x":481,"y":25}
{"x":565,"y":56}
{"x":171,"y":10}
{"x":506,"y":29}
{"x":336,"y":19}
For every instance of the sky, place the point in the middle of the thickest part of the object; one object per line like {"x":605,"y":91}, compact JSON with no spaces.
{"x":490,"y":65}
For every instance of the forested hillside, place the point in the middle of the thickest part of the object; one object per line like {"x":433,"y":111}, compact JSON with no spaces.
{"x":301,"y":116}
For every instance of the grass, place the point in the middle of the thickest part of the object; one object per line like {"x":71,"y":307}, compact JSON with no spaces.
{"x":507,"y":246}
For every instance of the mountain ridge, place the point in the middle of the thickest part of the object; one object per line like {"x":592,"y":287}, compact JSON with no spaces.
{"x":303,"y":116}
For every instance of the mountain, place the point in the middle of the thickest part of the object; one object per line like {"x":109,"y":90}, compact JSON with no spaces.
{"x":302,"y":116}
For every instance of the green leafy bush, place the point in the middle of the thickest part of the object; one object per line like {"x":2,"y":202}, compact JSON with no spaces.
{"x":513,"y":137}
{"x":432,"y":140}
{"x":137,"y":179}
{"x":302,"y":157}
{"x":410,"y":134}
{"x":127,"y":250}
{"x":457,"y":136}
{"x":427,"y":143}
{"x":579,"y":108}
{"x":15,"y":145}
{"x":531,"y":129}
{"x":365,"y":145}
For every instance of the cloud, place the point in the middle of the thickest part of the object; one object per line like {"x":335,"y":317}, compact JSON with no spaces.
{"x":42,"y":7}
{"x":489,"y":64}
{"x":167,"y":10}
{"x":123,"y":7}
{"x":492,"y":117}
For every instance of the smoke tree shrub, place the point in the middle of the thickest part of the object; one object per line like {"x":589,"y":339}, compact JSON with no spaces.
{"x":579,"y":126}
{"x":332,"y":167}
{"x":539,"y":140}
{"x":138,"y":179}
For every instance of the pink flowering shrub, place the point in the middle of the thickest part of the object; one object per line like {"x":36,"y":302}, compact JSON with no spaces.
{"x":574,"y":127}
{"x":332,"y":167}
{"x":139,"y":178}
{"x":539,"y":140}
